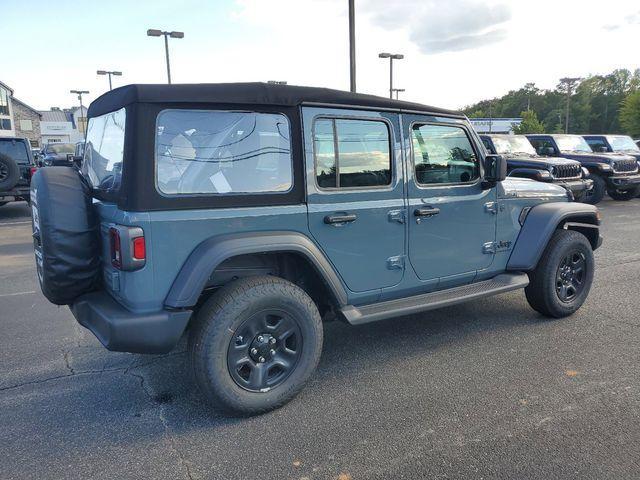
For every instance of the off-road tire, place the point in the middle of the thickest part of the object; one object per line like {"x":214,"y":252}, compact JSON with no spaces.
{"x":215,"y":328}
{"x":9,"y":172}
{"x":541,"y":292}
{"x":2,"y":204}
{"x":596,"y":194}
{"x":623,"y":195}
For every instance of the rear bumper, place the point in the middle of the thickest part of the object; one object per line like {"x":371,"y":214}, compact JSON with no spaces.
{"x":15,"y":192}
{"x":623,"y":182}
{"x":121,"y":330}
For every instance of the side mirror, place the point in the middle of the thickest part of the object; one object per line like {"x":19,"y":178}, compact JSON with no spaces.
{"x":602,"y":149}
{"x":495,"y":169}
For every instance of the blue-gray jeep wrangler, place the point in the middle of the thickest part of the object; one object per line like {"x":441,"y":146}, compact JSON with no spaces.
{"x":249,"y":213}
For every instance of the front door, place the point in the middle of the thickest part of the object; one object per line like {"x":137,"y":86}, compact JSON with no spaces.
{"x":355,"y":194}
{"x":452,"y":224}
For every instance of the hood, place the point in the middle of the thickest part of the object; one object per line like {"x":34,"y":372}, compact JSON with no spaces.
{"x":608,"y":158}
{"x":538,"y":161}
{"x":514,"y":187}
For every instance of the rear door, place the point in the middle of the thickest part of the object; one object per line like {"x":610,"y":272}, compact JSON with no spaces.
{"x":452,"y":226}
{"x":355,"y":194}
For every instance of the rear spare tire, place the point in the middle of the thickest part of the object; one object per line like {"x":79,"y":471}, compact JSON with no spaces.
{"x":65,"y":234}
{"x":9,"y":172}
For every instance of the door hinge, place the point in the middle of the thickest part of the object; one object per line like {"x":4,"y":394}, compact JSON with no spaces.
{"x":394,"y":263}
{"x":396,"y":216}
{"x":493,"y":207}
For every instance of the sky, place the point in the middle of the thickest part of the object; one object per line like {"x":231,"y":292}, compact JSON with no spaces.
{"x":457,"y":52}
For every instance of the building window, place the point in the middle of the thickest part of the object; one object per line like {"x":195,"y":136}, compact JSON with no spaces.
{"x":26,"y":125}
{"x":34,"y":143}
{"x":4,"y":102}
{"x":5,"y":124}
{"x":352,"y":153}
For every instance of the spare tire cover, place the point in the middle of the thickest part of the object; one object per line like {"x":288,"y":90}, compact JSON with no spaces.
{"x":9,"y":172}
{"x":65,"y":234}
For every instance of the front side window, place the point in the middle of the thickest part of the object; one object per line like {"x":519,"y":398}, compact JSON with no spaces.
{"x":443,"y":154}
{"x":597,"y":144}
{"x":104,"y":150}
{"x":351,"y":153}
{"x":222,"y":152}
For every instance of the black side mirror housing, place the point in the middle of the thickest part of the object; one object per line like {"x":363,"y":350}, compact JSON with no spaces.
{"x":603,"y":149}
{"x":549,"y":151}
{"x":495,"y":169}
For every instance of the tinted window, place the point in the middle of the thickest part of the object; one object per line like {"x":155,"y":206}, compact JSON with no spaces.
{"x":443,"y":154}
{"x":597,"y":145}
{"x":104,"y":150}
{"x":14,"y":149}
{"x":543,"y":146}
{"x":220,"y":152}
{"x":351,"y":153}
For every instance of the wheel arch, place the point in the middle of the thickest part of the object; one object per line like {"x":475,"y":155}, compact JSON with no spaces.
{"x":542,"y":221}
{"x":215,"y":251}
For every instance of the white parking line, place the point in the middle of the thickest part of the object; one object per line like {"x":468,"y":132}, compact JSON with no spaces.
{"x":15,"y":223}
{"x":16,"y":294}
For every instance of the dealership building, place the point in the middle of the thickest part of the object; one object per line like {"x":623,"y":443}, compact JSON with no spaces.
{"x":495,"y":125}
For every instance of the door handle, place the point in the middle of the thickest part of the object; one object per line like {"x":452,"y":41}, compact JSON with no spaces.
{"x":340,"y":219}
{"x":426,"y":212}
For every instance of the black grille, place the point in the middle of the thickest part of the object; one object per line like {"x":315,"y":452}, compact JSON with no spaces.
{"x":625,"y":166}
{"x":567,"y":171}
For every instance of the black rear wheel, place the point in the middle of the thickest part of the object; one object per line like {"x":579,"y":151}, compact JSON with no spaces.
{"x":561,"y":281}
{"x":9,"y":172}
{"x":255,"y":343}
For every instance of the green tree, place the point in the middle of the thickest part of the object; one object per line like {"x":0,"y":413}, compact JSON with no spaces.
{"x":630,"y":114}
{"x":530,"y":124}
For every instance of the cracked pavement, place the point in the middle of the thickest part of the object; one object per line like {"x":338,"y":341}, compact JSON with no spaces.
{"x":482,"y":390}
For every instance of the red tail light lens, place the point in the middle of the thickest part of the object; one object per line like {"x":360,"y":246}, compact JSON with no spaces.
{"x":116,"y":248}
{"x":33,"y":170}
{"x":139,"y":251}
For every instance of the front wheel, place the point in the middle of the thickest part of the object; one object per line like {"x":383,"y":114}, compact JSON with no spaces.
{"x":623,"y":195}
{"x":596,"y":194}
{"x":255,"y":343}
{"x":561,"y":281}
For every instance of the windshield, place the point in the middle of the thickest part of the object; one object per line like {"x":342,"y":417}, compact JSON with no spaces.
{"x":513,"y":144}
{"x":622,"y":143}
{"x":104,"y":150}
{"x":14,"y":149}
{"x":572,"y":143}
{"x":61,"y":148}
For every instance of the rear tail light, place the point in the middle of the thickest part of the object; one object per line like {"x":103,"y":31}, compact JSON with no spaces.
{"x":128,"y":250}
{"x":33,"y":170}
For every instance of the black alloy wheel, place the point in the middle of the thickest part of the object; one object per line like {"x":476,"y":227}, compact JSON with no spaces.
{"x":264,"y":350}
{"x":570,"y":276}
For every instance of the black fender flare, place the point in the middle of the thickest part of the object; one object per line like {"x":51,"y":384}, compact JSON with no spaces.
{"x":527,"y":172}
{"x":540,"y":223}
{"x":204,"y":259}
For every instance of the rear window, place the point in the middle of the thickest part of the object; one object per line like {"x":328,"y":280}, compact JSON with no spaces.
{"x":104,"y":150}
{"x":222,"y":152}
{"x":14,"y":149}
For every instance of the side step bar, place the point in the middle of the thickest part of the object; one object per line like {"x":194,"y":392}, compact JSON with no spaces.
{"x":430,"y":301}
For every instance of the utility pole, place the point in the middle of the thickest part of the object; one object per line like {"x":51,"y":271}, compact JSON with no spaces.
{"x":391,"y":57}
{"x":569,"y":83}
{"x":104,"y":72}
{"x":81,"y":117}
{"x":352,"y":45}
{"x":158,"y":33}
{"x":398,"y":90}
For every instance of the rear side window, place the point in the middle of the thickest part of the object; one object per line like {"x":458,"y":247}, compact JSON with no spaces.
{"x":351,"y":153}
{"x":443,"y":154}
{"x":14,"y":149}
{"x":222,"y":152}
{"x":104,"y":150}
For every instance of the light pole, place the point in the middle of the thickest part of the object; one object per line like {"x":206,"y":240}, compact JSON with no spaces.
{"x":80,"y":93}
{"x":105,"y":72}
{"x":391,"y":57}
{"x":398,"y":90}
{"x":158,"y":33}
{"x":352,"y":45}
{"x":568,"y":82}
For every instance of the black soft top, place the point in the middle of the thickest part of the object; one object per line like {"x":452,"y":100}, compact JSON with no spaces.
{"x":248,"y":94}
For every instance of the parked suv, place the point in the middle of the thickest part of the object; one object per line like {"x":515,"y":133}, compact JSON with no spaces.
{"x":248,"y":214}
{"x":615,"y":174}
{"x":524,"y":162}
{"x":16,"y":164}
{"x":613,"y":144}
{"x":58,"y":154}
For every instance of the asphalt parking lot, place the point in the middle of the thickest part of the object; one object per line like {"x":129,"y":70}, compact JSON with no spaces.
{"x":483,"y":390}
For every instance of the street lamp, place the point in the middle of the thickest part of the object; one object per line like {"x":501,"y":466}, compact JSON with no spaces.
{"x":80,"y":93}
{"x":398,"y":90}
{"x":391,"y":57}
{"x":158,"y":33}
{"x":105,"y":72}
